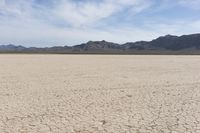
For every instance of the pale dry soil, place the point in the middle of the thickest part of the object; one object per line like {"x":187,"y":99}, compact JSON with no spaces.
{"x":99,"y":94}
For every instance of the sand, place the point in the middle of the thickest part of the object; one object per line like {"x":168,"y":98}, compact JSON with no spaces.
{"x":99,"y":94}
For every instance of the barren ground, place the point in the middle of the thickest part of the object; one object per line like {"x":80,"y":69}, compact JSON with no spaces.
{"x":99,"y":93}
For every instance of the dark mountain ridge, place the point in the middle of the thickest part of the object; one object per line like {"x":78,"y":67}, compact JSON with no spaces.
{"x":11,"y":47}
{"x":187,"y":44}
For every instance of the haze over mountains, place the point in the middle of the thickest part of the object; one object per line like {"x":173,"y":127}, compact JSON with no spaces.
{"x":169,"y":44}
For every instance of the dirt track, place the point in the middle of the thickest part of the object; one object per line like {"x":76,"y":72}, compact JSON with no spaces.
{"x":99,"y":93}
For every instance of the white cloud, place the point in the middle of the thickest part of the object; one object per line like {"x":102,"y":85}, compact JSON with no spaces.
{"x":77,"y":14}
{"x":194,"y":4}
{"x":29,"y":23}
{"x":37,"y":34}
{"x":15,"y":8}
{"x":87,"y":13}
{"x":83,"y":14}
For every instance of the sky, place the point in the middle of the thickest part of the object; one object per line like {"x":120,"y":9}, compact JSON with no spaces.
{"x":70,"y":22}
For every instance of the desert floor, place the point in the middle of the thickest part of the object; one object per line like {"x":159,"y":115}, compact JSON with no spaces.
{"x":99,"y":93}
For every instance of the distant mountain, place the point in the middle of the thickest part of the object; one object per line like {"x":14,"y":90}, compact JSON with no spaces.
{"x":177,"y":43}
{"x":11,"y":47}
{"x":169,"y":44}
{"x":97,"y":46}
{"x":141,"y":45}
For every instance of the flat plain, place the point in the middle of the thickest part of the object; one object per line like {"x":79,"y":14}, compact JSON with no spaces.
{"x":99,"y":94}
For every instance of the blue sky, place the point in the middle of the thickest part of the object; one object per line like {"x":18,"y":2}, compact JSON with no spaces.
{"x":70,"y":22}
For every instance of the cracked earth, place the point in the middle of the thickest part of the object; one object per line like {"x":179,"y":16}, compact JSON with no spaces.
{"x":99,"y":94}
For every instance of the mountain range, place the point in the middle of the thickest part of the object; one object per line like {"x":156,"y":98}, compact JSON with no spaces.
{"x":169,"y":44}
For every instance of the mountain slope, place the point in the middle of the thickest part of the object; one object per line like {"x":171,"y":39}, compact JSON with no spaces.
{"x":97,"y":45}
{"x":164,"y":44}
{"x":12,"y":47}
{"x":177,"y":43}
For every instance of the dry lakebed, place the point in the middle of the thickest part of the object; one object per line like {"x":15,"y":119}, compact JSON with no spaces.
{"x":99,"y":93}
